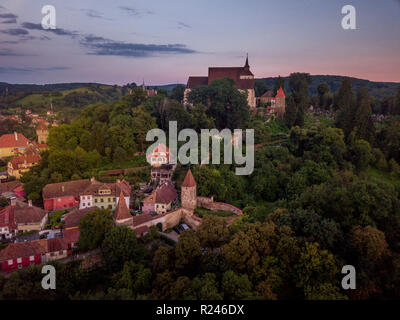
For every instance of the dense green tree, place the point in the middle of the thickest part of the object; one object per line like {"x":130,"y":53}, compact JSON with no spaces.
{"x":120,"y":245}
{"x":177,"y":93}
{"x":260,"y":88}
{"x":187,"y":252}
{"x":344,"y":101}
{"x":93,"y":228}
{"x":224,"y":103}
{"x":213,"y":231}
{"x":363,"y":122}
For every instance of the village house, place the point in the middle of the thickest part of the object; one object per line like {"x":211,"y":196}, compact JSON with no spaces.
{"x":12,"y":143}
{"x":21,"y":217}
{"x":161,"y":199}
{"x":21,"y":164}
{"x":12,"y":190}
{"x":162,"y":174}
{"x":63,"y":195}
{"x":243,"y":77}
{"x":104,"y":195}
{"x":159,"y":155}
{"x":274,"y":104}
{"x":24,"y":254}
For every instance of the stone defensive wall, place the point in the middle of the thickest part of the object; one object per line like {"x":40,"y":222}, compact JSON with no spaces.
{"x":167,"y":220}
{"x":209,"y":203}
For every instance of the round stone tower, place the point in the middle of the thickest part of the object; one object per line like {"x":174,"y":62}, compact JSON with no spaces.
{"x":188,"y":192}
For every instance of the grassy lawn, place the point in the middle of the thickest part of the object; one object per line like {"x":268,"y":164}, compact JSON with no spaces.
{"x":201,"y":212}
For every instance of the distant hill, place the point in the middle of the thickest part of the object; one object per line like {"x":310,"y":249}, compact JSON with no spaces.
{"x":378,"y":90}
{"x":36,"y":88}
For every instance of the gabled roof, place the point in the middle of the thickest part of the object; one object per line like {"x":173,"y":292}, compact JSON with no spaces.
{"x":13,"y":140}
{"x":189,"y":180}
{"x":71,"y":235}
{"x":166,"y":193}
{"x":95,"y":186}
{"x":32,"y":248}
{"x":28,"y":158}
{"x":194,"y":82}
{"x":72,"y":218}
{"x":9,"y":186}
{"x":268,"y":94}
{"x":65,"y":189}
{"x":20,"y":213}
{"x":122,"y":211}
{"x":280,"y":93}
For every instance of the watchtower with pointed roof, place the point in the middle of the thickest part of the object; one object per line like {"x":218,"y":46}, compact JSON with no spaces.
{"x":188,"y":192}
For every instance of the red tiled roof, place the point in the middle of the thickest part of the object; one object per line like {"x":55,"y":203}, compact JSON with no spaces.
{"x":71,"y":235}
{"x":122,"y":211}
{"x":32,"y":248}
{"x":13,"y":140}
{"x":194,"y":82}
{"x":95,"y":186}
{"x":29,"y":159}
{"x":189,"y":180}
{"x":268,"y":94}
{"x":41,"y":126}
{"x":142,"y":218}
{"x":166,"y":193}
{"x":64,"y":189}
{"x":280,"y":93}
{"x":72,"y":218}
{"x":20,"y":213}
{"x":9,"y":186}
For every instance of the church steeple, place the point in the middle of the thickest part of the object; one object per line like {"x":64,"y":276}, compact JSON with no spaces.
{"x":246,"y":65}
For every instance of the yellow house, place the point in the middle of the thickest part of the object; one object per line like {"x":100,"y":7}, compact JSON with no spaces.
{"x":12,"y":143}
{"x":21,"y":164}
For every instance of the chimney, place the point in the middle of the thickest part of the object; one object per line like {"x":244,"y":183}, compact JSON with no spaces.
{"x":92,"y":179}
{"x":118,"y":181}
{"x":13,"y":201}
{"x":30,"y":203}
{"x":16,"y":136}
{"x":62,"y":188}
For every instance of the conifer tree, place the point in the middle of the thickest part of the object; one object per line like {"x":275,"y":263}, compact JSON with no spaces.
{"x":363,"y":122}
{"x":290,"y":112}
{"x":344,"y":101}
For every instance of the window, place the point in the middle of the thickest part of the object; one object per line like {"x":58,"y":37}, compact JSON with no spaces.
{"x":109,"y":199}
{"x":102,"y":200}
{"x":10,"y":262}
{"x":31,"y":258}
{"x":19,"y":260}
{"x":95,"y":200}
{"x":109,"y":206}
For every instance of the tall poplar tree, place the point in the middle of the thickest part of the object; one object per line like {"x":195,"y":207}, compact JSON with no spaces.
{"x":344,"y":102}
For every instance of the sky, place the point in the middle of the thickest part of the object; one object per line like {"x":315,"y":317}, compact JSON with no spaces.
{"x":165,"y":41}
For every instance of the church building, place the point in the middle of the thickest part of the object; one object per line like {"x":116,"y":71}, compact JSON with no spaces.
{"x":243,"y":77}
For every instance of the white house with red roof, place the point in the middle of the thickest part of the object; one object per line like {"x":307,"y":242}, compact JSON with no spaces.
{"x":159,"y":155}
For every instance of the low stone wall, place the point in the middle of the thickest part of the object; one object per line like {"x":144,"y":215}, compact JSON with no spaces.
{"x":209,"y":203}
{"x":202,"y":201}
{"x":171,"y":219}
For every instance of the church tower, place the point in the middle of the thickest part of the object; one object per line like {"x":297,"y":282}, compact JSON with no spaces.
{"x":188,"y":192}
